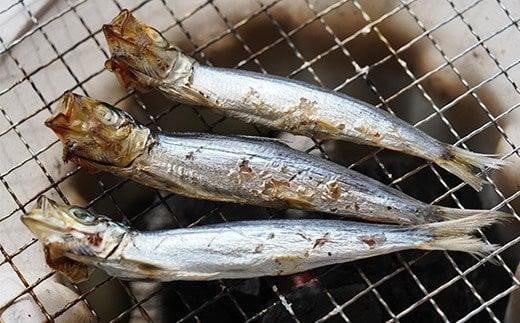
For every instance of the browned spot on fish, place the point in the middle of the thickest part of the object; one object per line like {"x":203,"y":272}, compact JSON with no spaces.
{"x":373,"y":240}
{"x":275,"y":188}
{"x":283,"y":260}
{"x":253,"y":99}
{"x":73,"y":270}
{"x":333,"y":190}
{"x":276,"y":184}
{"x":94,"y":239}
{"x":321,"y":241}
{"x":244,"y":167}
{"x":329,"y":127}
{"x":282,"y":190}
{"x":53,"y":252}
{"x":369,"y":131}
{"x":190,"y":155}
{"x":296,"y":117}
{"x":301,"y":116}
{"x":306,"y":107}
{"x":259,"y":248}
{"x":356,"y":206}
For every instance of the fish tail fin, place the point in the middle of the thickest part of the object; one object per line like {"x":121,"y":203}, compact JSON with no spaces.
{"x":456,"y":235}
{"x":464,"y":163}
{"x":448,"y":213}
{"x":465,"y":243}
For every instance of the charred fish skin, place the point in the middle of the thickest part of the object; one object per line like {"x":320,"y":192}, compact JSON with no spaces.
{"x":278,"y":103}
{"x":78,"y":238}
{"x":250,"y":170}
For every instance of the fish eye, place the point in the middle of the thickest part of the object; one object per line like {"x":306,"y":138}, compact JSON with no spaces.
{"x":107,"y":116}
{"x":83,"y":215}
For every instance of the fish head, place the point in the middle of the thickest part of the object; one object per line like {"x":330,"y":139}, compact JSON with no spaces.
{"x":97,"y":135}
{"x":72,"y":230}
{"x":140,"y":56}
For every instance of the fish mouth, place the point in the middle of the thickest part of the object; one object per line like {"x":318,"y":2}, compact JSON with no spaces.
{"x":60,"y":120}
{"x":40,"y":226}
{"x":126,"y":36}
{"x":67,"y":122}
{"x":71,"y":108}
{"x":45,"y":218}
{"x":122,"y":19}
{"x":126,"y":29}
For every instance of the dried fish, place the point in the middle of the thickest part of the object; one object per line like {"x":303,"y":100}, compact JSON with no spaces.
{"x":249,"y":170}
{"x":143,"y":59}
{"x":75,"y":240}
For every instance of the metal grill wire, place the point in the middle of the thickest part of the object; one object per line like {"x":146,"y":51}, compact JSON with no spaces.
{"x":338,"y":308}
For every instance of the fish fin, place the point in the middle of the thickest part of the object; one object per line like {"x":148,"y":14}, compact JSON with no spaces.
{"x":455,"y":235}
{"x":448,"y":213}
{"x":277,"y":141}
{"x":189,"y":275}
{"x":464,"y":243}
{"x":464,"y":164}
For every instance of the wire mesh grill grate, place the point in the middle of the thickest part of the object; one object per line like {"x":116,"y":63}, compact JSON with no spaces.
{"x":34,"y":158}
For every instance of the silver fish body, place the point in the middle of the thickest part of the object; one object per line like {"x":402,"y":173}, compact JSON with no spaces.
{"x":75,"y":240}
{"x":266,"y":172}
{"x":299,"y":108}
{"x":256,"y":248}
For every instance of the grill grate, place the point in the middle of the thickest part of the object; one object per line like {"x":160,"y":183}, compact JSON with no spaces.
{"x":107,"y":190}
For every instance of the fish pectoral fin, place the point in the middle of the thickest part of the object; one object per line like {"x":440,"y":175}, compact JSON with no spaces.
{"x":74,"y":271}
{"x":192,"y":275}
{"x":298,"y":202}
{"x":152,"y":271}
{"x":149,"y":267}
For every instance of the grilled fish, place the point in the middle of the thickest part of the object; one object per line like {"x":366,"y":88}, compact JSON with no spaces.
{"x":143,"y":59}
{"x":249,"y":170}
{"x":76,"y":240}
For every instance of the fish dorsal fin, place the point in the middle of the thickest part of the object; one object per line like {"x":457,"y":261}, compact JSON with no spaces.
{"x":265,"y":139}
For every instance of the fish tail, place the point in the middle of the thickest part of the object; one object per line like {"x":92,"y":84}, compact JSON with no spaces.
{"x":464,"y":164}
{"x":465,"y":243}
{"x":456,"y":235}
{"x":448,"y":213}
